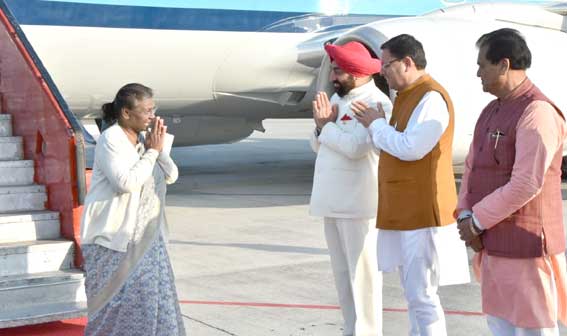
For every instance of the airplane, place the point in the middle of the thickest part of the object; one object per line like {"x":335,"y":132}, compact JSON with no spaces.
{"x":449,"y":37}
{"x":219,"y":68}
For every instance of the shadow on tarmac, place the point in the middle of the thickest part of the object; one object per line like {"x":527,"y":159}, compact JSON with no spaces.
{"x":258,"y":247}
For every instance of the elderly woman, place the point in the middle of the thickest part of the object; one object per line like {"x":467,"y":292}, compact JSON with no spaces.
{"x":129,"y":281}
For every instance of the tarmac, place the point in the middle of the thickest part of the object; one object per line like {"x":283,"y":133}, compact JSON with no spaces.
{"x":248,"y":258}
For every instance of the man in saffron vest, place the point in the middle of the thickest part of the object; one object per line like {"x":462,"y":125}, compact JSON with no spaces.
{"x":417,"y":234}
{"x":510,"y":207}
{"x":344,"y":186}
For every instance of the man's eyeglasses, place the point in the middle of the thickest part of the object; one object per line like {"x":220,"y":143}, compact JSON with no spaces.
{"x":385,"y":66}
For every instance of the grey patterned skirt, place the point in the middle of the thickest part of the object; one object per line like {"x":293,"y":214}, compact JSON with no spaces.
{"x":146,"y":305}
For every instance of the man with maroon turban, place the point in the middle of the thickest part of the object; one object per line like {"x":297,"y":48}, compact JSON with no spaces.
{"x":345,"y":186}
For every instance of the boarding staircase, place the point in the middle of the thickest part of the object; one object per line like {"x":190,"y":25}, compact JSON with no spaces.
{"x":37,"y":280}
{"x":42,"y":188}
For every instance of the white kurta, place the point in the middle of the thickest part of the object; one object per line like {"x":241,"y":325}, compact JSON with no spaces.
{"x":418,"y":139}
{"x":345,"y":193}
{"x":429,"y":257}
{"x":345,"y":179}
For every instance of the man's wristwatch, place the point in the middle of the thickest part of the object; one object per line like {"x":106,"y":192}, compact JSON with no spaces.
{"x":463,"y":217}
{"x":317,"y":131}
{"x":475,"y":229}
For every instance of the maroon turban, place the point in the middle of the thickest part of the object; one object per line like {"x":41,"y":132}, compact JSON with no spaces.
{"x":354,"y":58}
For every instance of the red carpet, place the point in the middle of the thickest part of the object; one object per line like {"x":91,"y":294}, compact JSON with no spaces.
{"x":74,"y":327}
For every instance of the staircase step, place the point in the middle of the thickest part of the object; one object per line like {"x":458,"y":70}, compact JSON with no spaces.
{"x":11,"y":148}
{"x":5,"y":125}
{"x":43,"y":278}
{"x":42,"y":314}
{"x":16,"y":172}
{"x":31,"y":225}
{"x":21,"y":198}
{"x":19,"y":292}
{"x":18,"y":258}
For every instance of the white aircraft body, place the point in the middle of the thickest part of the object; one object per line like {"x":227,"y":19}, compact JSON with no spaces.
{"x":449,"y":37}
{"x":217,"y":72}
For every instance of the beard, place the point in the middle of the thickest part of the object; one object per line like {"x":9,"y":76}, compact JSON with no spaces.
{"x":343,"y":88}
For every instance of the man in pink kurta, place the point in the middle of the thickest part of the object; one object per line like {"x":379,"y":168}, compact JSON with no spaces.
{"x":510,"y":207}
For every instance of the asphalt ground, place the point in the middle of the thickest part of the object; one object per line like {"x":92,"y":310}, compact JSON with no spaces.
{"x":248,"y":258}
{"x":250,"y":261}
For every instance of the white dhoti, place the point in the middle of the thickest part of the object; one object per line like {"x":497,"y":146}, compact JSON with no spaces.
{"x":426,"y":259}
{"x":352,"y":247}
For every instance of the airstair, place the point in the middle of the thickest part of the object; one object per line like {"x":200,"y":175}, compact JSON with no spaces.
{"x":42,"y":184}
{"x":37,"y":279}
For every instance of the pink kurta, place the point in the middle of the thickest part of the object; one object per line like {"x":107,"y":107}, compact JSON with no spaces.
{"x":529,"y":293}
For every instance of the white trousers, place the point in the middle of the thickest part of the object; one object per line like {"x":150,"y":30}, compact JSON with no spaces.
{"x":501,"y":327}
{"x":420,"y":282}
{"x":352,"y":247}
{"x":414,"y":254}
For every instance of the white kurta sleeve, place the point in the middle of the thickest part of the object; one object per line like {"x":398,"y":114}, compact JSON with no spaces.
{"x":353,"y":145}
{"x":314,"y":141}
{"x":424,"y":129}
{"x":356,"y":144}
{"x":123,"y":177}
